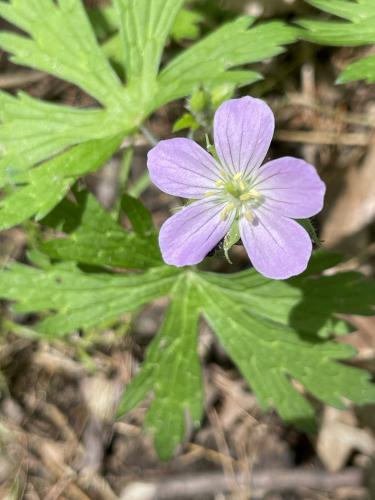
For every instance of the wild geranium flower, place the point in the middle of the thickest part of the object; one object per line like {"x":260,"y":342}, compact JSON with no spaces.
{"x":263,"y":200}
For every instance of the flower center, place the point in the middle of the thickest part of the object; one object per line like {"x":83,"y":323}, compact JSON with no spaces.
{"x":238,"y":194}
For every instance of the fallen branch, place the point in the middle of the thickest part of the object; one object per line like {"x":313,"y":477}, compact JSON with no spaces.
{"x":258,"y":484}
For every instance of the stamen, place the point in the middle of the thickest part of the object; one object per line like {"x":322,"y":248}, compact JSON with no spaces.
{"x":226,"y":211}
{"x":237,"y":176}
{"x":249,"y":216}
{"x":250,"y":195}
{"x":245,"y":197}
{"x":254,"y":193}
{"x":209,"y":193}
{"x":219,"y":184}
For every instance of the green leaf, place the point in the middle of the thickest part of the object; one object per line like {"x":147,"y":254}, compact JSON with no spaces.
{"x":144,"y":29}
{"x":61,"y":42}
{"x":357,"y":29}
{"x":309,"y":227}
{"x":35,"y":192}
{"x":307,"y":303}
{"x":363,"y":69}
{"x":172,"y":372}
{"x":33,"y":130}
{"x":206,"y":62}
{"x":187,"y":120}
{"x":104,"y":20}
{"x":269,"y":354}
{"x":58,"y":38}
{"x":138,"y":215}
{"x":352,"y":10}
{"x":255,"y":319}
{"x":100,"y":240}
{"x":78,"y":299}
{"x":186,"y":25}
{"x":231,"y":239}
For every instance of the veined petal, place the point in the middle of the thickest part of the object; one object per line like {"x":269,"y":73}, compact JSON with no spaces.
{"x":291,"y":187}
{"x":188,"y":236}
{"x":182,"y":168}
{"x":243,"y":130}
{"x":278,"y":247}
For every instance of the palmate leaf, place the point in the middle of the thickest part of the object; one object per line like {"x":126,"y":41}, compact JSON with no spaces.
{"x":58,"y":38}
{"x":357,"y":29}
{"x":253,"y":317}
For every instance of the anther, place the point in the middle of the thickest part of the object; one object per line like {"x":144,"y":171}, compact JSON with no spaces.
{"x":249,"y":216}
{"x":226,"y":211}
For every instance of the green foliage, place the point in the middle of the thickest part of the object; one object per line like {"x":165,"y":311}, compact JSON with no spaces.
{"x":186,"y":25}
{"x":61,"y":42}
{"x":144,"y":29}
{"x":96,"y":239}
{"x":33,"y":130}
{"x":362,"y":69}
{"x":270,"y":353}
{"x":208,"y":62}
{"x":79,"y":299}
{"x":172,"y":372}
{"x":57,"y":37}
{"x":269,"y":328}
{"x":35,"y":192}
{"x":275,"y":332}
{"x":105,"y":22}
{"x":357,"y":29}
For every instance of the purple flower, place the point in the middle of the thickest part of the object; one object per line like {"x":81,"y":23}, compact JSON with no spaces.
{"x":263,"y":200}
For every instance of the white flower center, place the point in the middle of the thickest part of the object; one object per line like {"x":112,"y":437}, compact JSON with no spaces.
{"x":237,"y":193}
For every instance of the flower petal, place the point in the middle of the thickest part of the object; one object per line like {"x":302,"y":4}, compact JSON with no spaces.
{"x":189,"y":235}
{"x":291,"y":187}
{"x":182,"y":168}
{"x":243,"y":130}
{"x":278,"y":247}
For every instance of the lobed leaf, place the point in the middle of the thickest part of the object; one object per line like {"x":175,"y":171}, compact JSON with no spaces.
{"x":172,"y":372}
{"x":252,"y":316}
{"x":78,"y":299}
